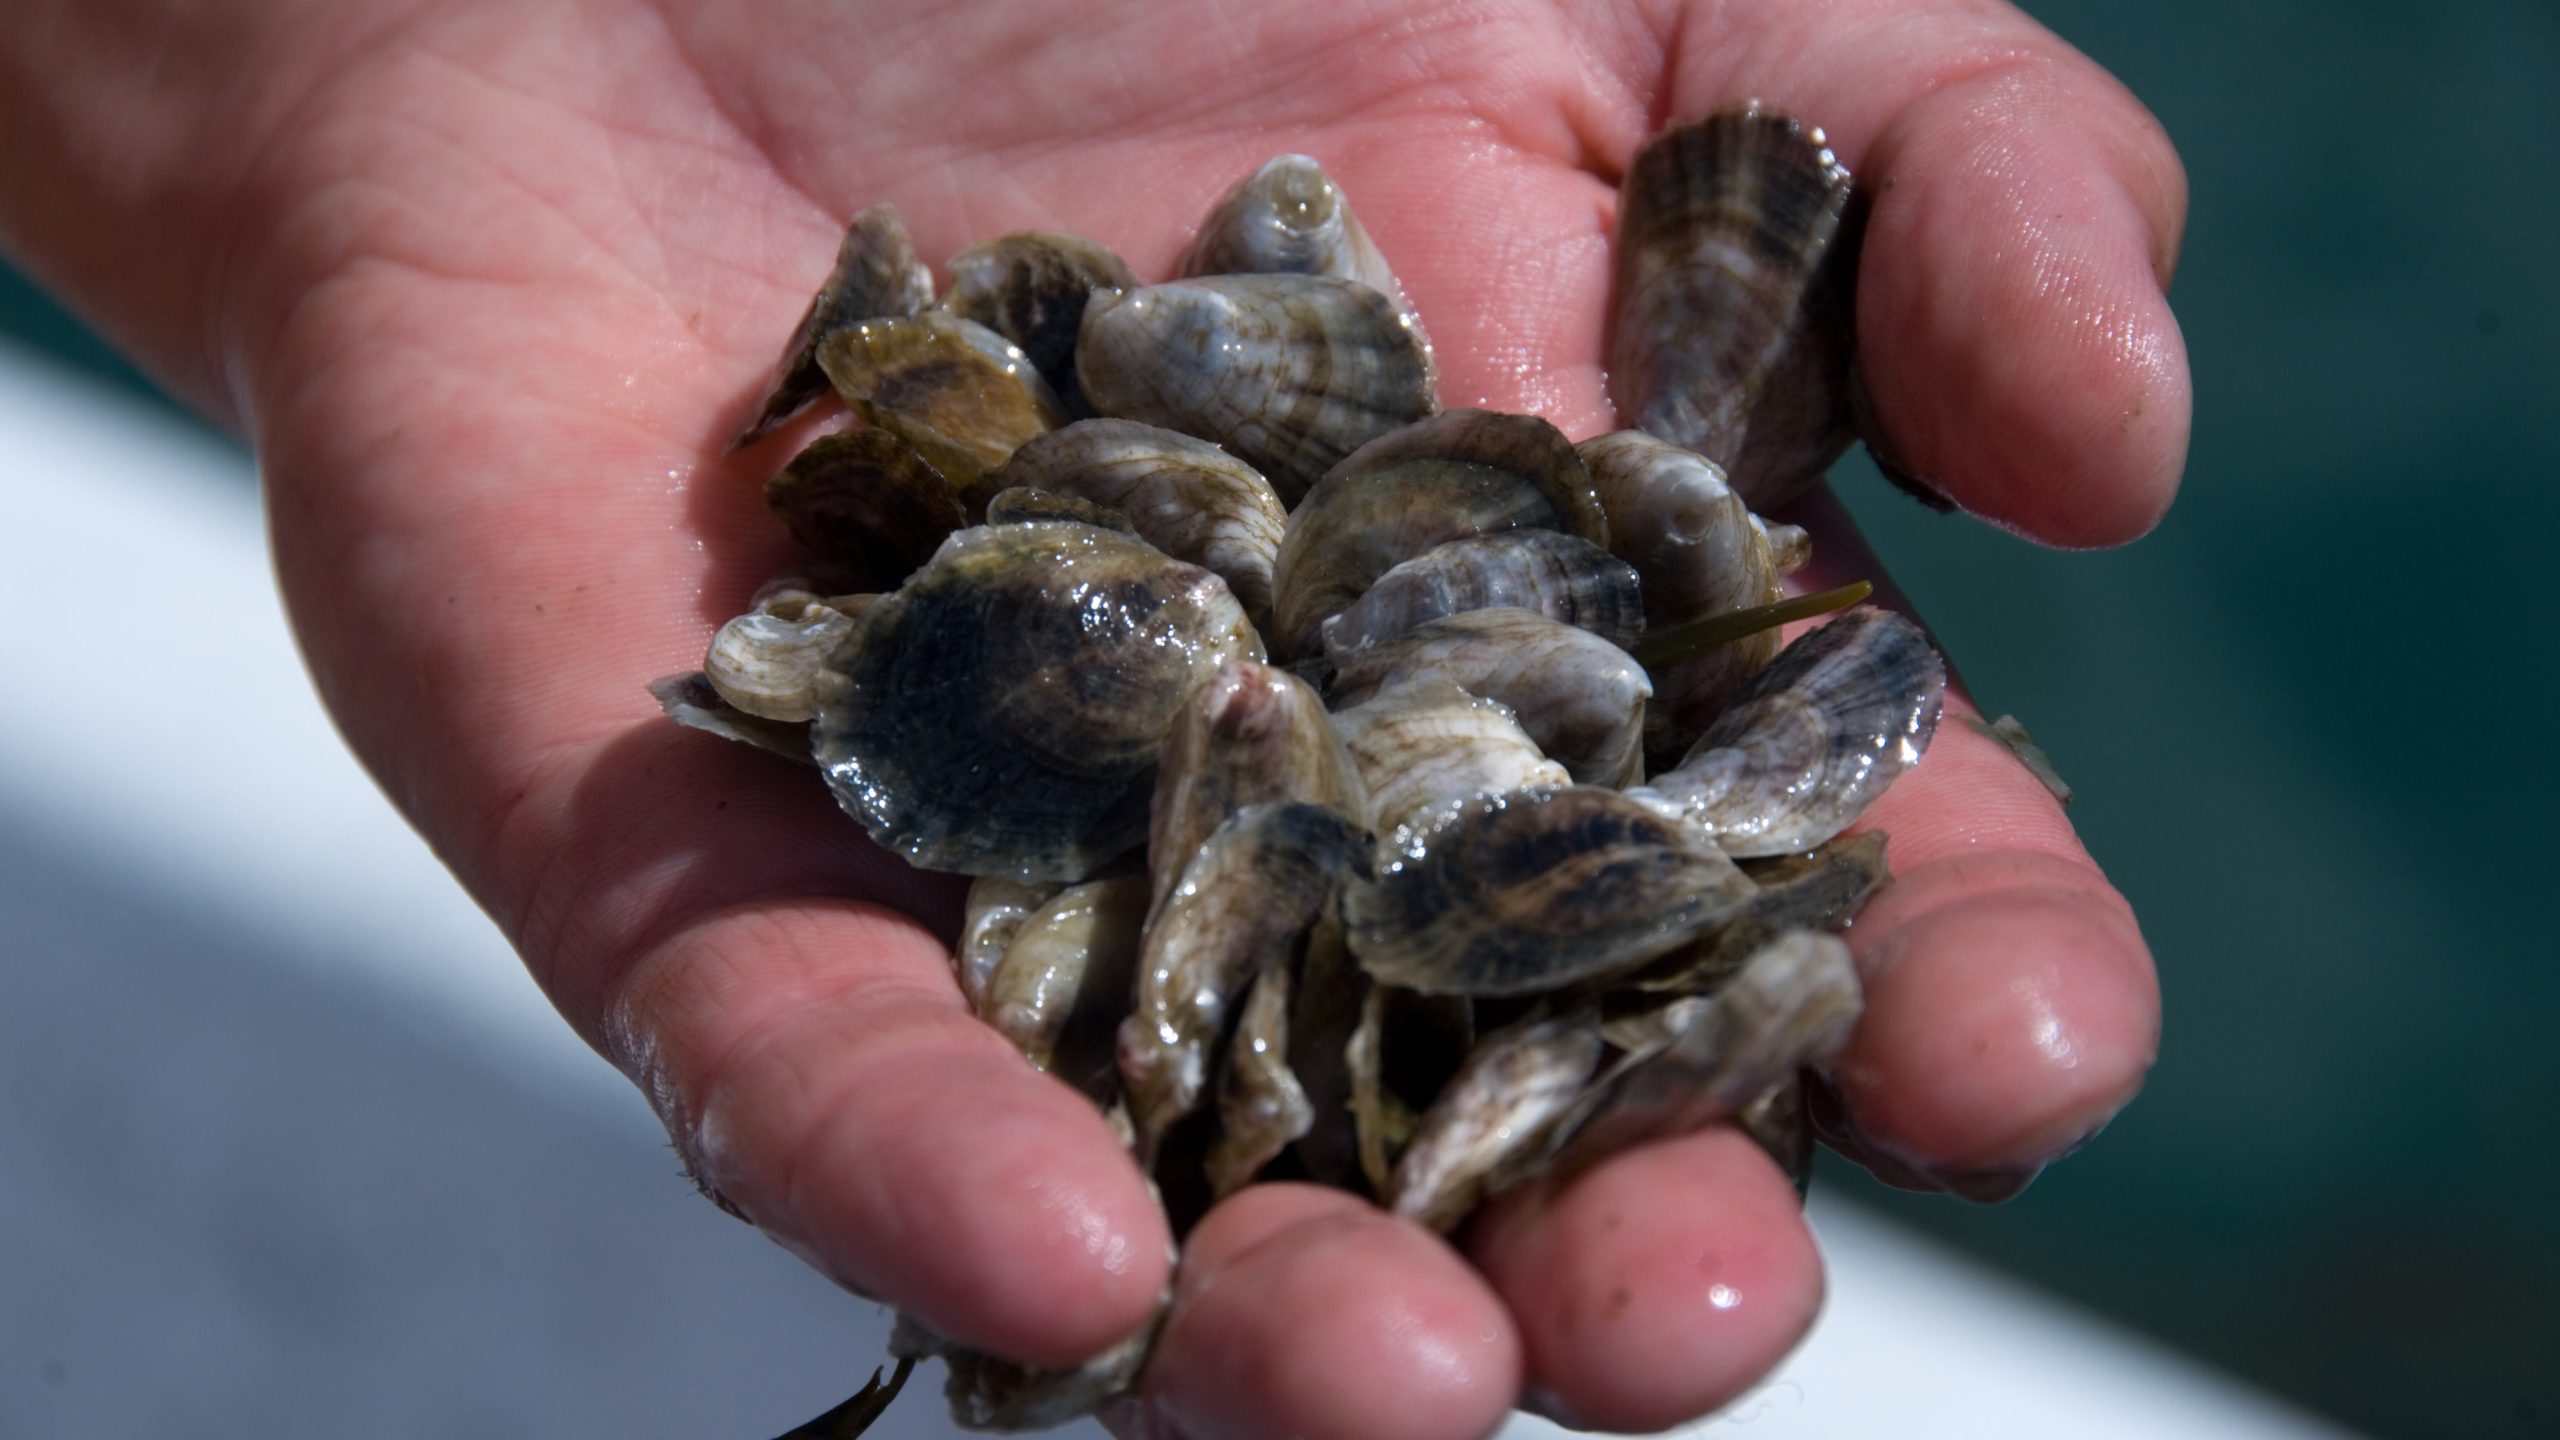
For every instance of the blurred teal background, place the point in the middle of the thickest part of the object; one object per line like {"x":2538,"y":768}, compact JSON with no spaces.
{"x":2308,"y":720}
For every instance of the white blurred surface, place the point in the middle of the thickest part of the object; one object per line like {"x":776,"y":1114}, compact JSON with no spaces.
{"x":297,"y":1149}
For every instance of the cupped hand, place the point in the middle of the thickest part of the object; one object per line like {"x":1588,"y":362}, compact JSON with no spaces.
{"x":498,"y":280}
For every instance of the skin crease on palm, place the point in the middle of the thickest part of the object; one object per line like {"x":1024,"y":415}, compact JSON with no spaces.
{"x":487,"y":285}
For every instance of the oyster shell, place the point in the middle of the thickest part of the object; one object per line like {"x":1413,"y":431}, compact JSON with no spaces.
{"x":1734,"y":313}
{"x":1002,"y":713}
{"x":1793,"y":1004}
{"x":1579,"y":697}
{"x":1697,"y":551}
{"x":767,"y":661}
{"x":1563,"y":577}
{"x":1814,"y":739}
{"x":689,"y":700}
{"x":1537,"y":890}
{"x":1250,"y":735}
{"x":1821,"y":889}
{"x":1245,"y":905}
{"x":1189,"y":498}
{"x":1261,"y":1105}
{"x":1065,"y":976}
{"x":1018,"y":504}
{"x":1289,"y":218}
{"x":1401,"y":1055}
{"x":1459,"y":474}
{"x":989,"y":919}
{"x":1289,"y":372}
{"x":864,"y":498}
{"x":876,"y":274}
{"x":1031,"y":288}
{"x":1425,"y":748}
{"x":963,"y":396}
{"x":1515,"y":1085}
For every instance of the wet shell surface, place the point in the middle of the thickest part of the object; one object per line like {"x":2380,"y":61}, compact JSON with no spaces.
{"x":1031,"y":288}
{"x":866,"y":499}
{"x":1290,"y":373}
{"x":1003,"y":712}
{"x":1189,"y":498}
{"x":963,"y":396}
{"x":1289,"y":218}
{"x":876,"y":275}
{"x":1579,"y":697}
{"x":1537,"y":890}
{"x":1815,"y":738}
{"x":1378,"y":917}
{"x":1458,"y":475}
{"x":1733,"y":324}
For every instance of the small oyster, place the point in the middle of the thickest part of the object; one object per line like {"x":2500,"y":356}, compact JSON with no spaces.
{"x":958,"y":392}
{"x":1289,"y":372}
{"x":1290,"y":218}
{"x":1401,"y":1055}
{"x":1189,"y":498}
{"x":1793,"y":1004}
{"x":989,"y":919}
{"x":1563,"y":577}
{"x":1516,"y":1084}
{"x":1261,"y":1106}
{"x":1425,"y":748}
{"x":1579,"y":697}
{"x":1537,"y":890}
{"x":1697,"y":551}
{"x":1459,"y":474}
{"x":1822,"y":889}
{"x":866,"y":499}
{"x":767,"y":661}
{"x":1250,"y":735}
{"x":1065,"y":976}
{"x":1031,"y":288}
{"x":1245,"y":904}
{"x":877,"y":274}
{"x":1734,"y":313}
{"x":1814,"y":739}
{"x":1002,"y":713}
{"x":689,"y":700}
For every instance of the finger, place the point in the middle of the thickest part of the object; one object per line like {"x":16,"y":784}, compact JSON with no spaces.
{"x":2012,"y":1008}
{"x":2015,"y":338}
{"x":1657,"y":1286}
{"x":1304,"y":1311}
{"x":815,"y":1065}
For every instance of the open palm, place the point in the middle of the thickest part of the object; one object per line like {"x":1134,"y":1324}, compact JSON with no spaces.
{"x":496,"y":280}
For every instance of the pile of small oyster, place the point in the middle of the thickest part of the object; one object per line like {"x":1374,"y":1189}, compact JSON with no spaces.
{"x":1402,"y":799}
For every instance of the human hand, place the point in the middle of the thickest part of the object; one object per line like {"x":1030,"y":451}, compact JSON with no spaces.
{"x":489,"y":285}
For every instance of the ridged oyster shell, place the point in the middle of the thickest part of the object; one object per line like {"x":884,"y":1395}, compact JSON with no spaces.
{"x":1290,"y":373}
{"x":1031,"y":287}
{"x":1459,"y":474}
{"x":1002,"y":713}
{"x":1537,"y":890}
{"x":1189,"y":498}
{"x":1289,"y":218}
{"x":1815,"y":738}
{"x":1734,"y":311}
{"x":876,"y":274}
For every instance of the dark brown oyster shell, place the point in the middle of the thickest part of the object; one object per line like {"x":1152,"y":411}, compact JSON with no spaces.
{"x":1734,"y":313}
